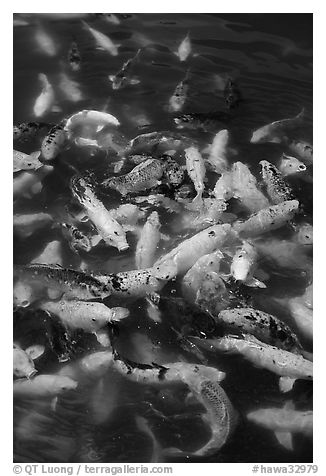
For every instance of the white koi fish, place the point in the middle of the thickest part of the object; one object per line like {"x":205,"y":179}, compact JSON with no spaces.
{"x":184,"y":48}
{"x":45,"y":101}
{"x":103,"y":41}
{"x":148,"y":241}
{"x":277,"y":131}
{"x":108,"y":228}
{"x":43,"y":386}
{"x":218,"y":151}
{"x":185,"y":255}
{"x":45,"y":42}
{"x":197,"y":171}
{"x":243,"y":266}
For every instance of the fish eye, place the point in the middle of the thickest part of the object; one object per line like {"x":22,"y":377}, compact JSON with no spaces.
{"x":93,"y":319}
{"x":302,"y":167}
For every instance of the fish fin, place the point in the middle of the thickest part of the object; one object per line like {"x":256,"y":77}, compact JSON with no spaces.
{"x":191,"y":399}
{"x":54,"y":404}
{"x":164,"y":237}
{"x":103,"y":338}
{"x":285,"y":439}
{"x":207,"y":149}
{"x":133,"y":81}
{"x":36,"y":154}
{"x":99,"y":128}
{"x":286,"y":384}
{"x":275,"y":140}
{"x":153,"y":311}
{"x":254,"y":283}
{"x":100,"y":48}
{"x":35,"y":351}
{"x":301,"y":114}
{"x":112,"y":77}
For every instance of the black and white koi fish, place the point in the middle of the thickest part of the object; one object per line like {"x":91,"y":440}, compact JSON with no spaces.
{"x":122,"y":78}
{"x":277,"y":131}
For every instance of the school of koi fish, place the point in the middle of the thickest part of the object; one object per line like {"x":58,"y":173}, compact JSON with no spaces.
{"x":169,"y":233}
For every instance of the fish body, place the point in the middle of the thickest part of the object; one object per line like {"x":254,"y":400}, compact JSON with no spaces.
{"x":103,"y":42}
{"x":108,"y":228}
{"x":30,"y":183}
{"x":284,"y":422}
{"x":73,"y":284}
{"x":277,"y":189}
{"x":196,"y":170}
{"x":45,"y":42}
{"x":45,"y":100}
{"x":22,"y":161}
{"x":263,"y":326}
{"x":184,"y":48}
{"x":289,"y":165}
{"x":27,"y":130}
{"x":243,"y":262}
{"x":185,"y":255}
{"x":303,"y":149}
{"x":302,"y":315}
{"x":26,"y":225}
{"x":74,"y":58}
{"x":51,"y":254}
{"x":122,"y":78}
{"x":232,"y":95}
{"x":89,"y":316}
{"x":277,"y":131}
{"x":135,"y":283}
{"x":244,"y":186}
{"x":179,"y":97}
{"x":70,"y":88}
{"x":148,"y":241}
{"x":54,"y":142}
{"x":43,"y":386}
{"x":207,"y":121}
{"x":144,"y":176}
{"x":278,"y":361}
{"x":267,"y":219}
{"x":217,"y":157}
{"x":223,"y":189}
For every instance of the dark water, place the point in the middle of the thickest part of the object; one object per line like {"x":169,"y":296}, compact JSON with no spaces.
{"x":270,"y":56}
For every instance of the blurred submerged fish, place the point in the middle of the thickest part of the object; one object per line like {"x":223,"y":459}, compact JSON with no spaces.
{"x":43,"y":386}
{"x":78,"y":241}
{"x":103,"y":42}
{"x":70,"y":88}
{"x":26,"y":224}
{"x":209,"y":121}
{"x":143,"y":426}
{"x":277,"y":131}
{"x":45,"y":101}
{"x":290,"y":165}
{"x":184,"y":48}
{"x":179,"y":97}
{"x":284,"y":421}
{"x":122,"y":78}
{"x":303,"y":149}
{"x":22,"y":161}
{"x":74,"y":58}
{"x":232,"y":95}
{"x":44,"y":41}
{"x":277,"y":189}
{"x":27,"y":184}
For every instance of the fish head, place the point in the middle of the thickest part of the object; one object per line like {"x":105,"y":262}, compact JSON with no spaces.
{"x":119,"y":313}
{"x":260,"y":135}
{"x":291,"y":165}
{"x":166,"y":270}
{"x":23,"y":365}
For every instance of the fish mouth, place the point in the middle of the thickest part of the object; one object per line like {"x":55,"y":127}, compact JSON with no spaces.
{"x":32,"y":374}
{"x":123,"y":247}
